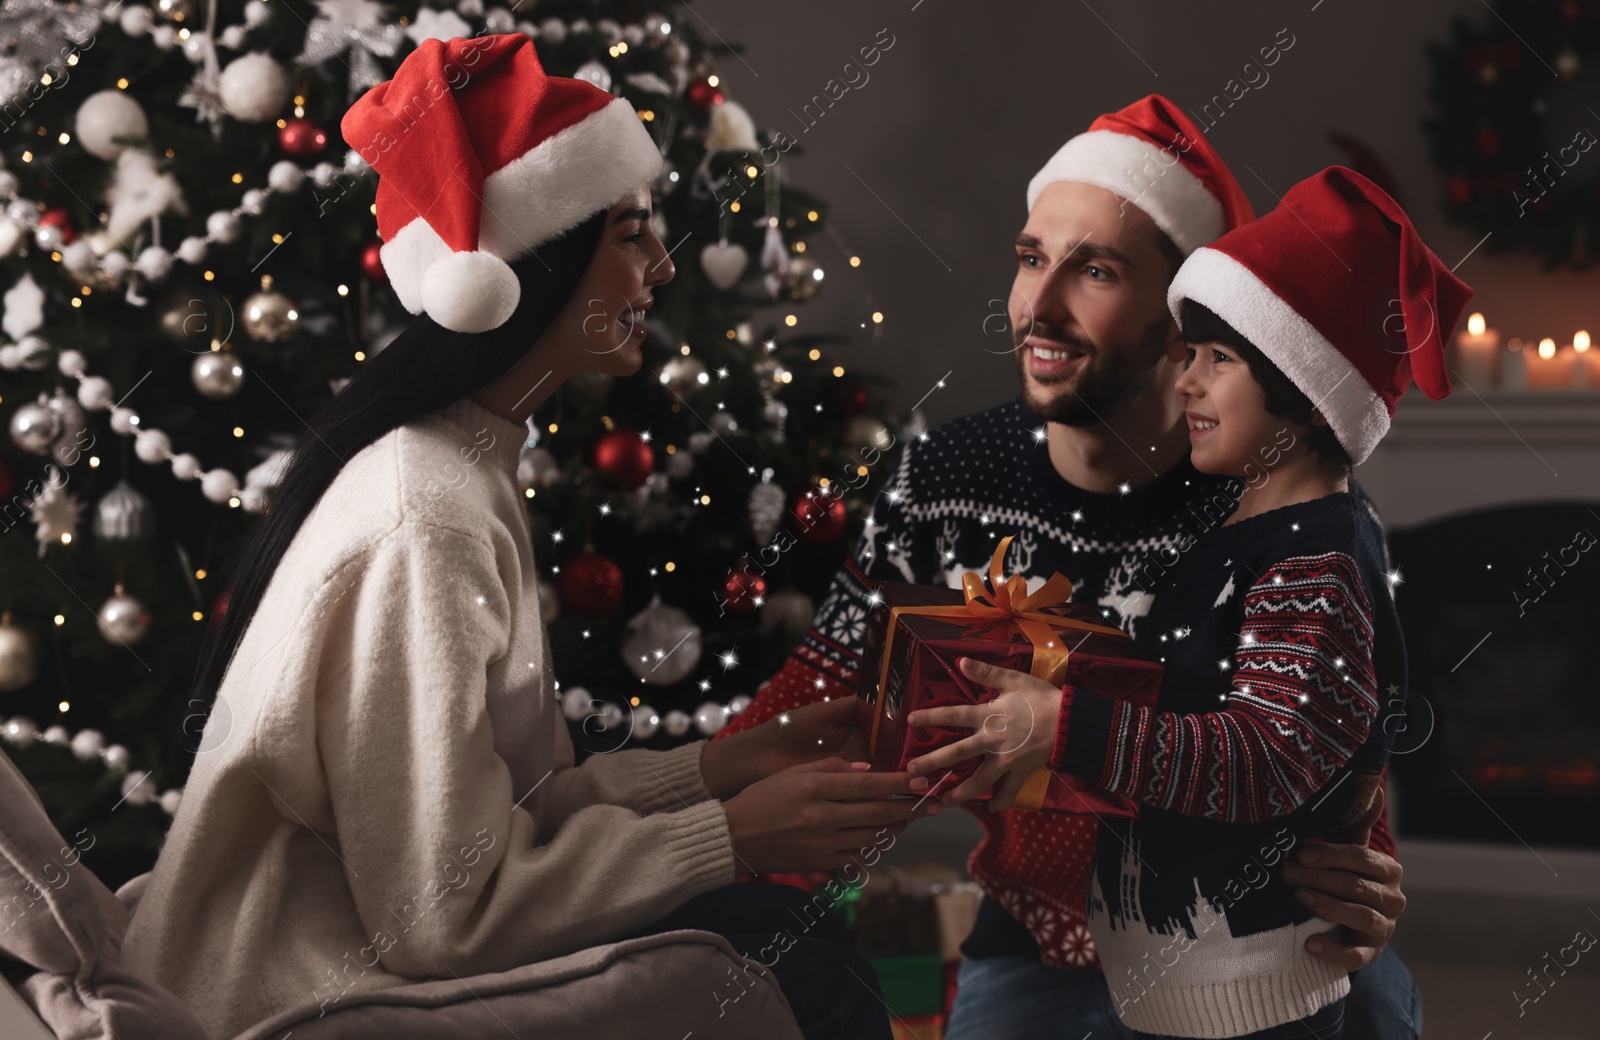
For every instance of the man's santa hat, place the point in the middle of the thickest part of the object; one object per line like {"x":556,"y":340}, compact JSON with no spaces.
{"x":1336,"y":288}
{"x":481,"y":158}
{"x":1151,"y":154}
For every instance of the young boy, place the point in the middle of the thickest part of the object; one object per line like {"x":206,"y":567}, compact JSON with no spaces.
{"x":1277,"y":630}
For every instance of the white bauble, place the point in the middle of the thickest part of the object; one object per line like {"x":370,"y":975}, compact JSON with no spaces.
{"x":254,"y":88}
{"x":285,"y":176}
{"x":124,"y":421}
{"x":78,"y":258}
{"x":662,"y":644}
{"x":710,"y":717}
{"x":325,"y":174}
{"x":676,"y":723}
{"x":192,"y":250}
{"x":171,"y":798}
{"x":232,"y":37}
{"x":117,"y":758}
{"x":645,"y":722}
{"x":253,"y":201}
{"x":500,"y":20}
{"x":115,"y":264}
{"x":71,"y":363}
{"x":738,"y":704}
{"x":185,"y":466}
{"x":87,"y":744}
{"x":732,"y":129}
{"x":56,"y":735}
{"x":257,"y":12}
{"x":165,"y":37}
{"x":10,"y":236}
{"x":152,"y":446}
{"x":136,"y":788}
{"x":218,"y":485}
{"x":576,"y":703}
{"x":155,"y":263}
{"x":8,"y":184}
{"x":25,"y":212}
{"x":123,"y":619}
{"x":222,"y":226}
{"x":552,"y":30}
{"x":104,"y":115}
{"x":49,"y":237}
{"x":135,"y":19}
{"x":20,"y":731}
{"x":95,"y":393}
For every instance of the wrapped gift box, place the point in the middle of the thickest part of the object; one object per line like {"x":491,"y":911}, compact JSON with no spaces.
{"x":917,"y":633}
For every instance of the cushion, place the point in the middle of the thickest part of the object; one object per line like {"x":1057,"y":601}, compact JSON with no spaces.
{"x":59,"y":919}
{"x":668,"y":985}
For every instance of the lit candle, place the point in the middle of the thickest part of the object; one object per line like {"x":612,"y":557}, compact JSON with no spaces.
{"x":1478,"y":354}
{"x":1550,"y":368}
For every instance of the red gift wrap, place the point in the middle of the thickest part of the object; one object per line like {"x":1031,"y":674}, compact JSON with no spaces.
{"x":917,"y":633}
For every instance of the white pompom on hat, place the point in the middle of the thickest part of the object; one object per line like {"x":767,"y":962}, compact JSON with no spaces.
{"x":481,"y":158}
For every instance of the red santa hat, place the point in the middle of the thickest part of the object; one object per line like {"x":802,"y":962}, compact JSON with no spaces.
{"x":481,"y":157}
{"x":1151,"y":154}
{"x":1338,"y":290}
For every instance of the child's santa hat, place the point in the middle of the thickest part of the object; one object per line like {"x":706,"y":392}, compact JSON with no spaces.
{"x":1151,"y":154}
{"x":481,"y":158}
{"x":1336,"y":288}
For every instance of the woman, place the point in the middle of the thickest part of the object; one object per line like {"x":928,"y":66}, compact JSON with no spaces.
{"x":385,"y":790}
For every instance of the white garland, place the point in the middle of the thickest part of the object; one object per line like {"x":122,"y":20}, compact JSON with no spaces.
{"x":87,"y":745}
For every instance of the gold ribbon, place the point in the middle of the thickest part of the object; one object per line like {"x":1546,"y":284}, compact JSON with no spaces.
{"x":1005,"y":601}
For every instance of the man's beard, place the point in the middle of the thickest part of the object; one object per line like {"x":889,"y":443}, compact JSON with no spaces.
{"x":1110,"y":378}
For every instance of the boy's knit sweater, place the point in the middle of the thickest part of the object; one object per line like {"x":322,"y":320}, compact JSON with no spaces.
{"x":1281,"y":648}
{"x":385,"y":789}
{"x":959,"y":488}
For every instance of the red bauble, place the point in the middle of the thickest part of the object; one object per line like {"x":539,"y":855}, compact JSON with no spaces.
{"x":703,"y":95}
{"x":57,"y":216}
{"x":817,"y":516}
{"x":302,"y":138}
{"x":742,"y":590}
{"x":1487,"y":142}
{"x":219,"y":607}
{"x":591,"y":585}
{"x":623,"y":459}
{"x":372,"y":264}
{"x":5,"y":478}
{"x":1458,"y":190}
{"x":849,"y":397}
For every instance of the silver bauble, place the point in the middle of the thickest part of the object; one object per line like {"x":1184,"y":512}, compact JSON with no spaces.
{"x":662,"y":645}
{"x":683,"y":374}
{"x":537,"y":469}
{"x":123,"y":619}
{"x":676,"y":723}
{"x":270,"y":316}
{"x":864,"y":432}
{"x":710,"y":717}
{"x":776,"y":413}
{"x":217,"y":374}
{"x":19,"y":655}
{"x":68,"y":448}
{"x":803,"y":279}
{"x":788,"y":611}
{"x":34,"y":427}
{"x":766,"y":511}
{"x":124,"y":515}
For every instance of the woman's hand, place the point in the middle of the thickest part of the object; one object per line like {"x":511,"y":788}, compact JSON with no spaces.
{"x":820,"y":816}
{"x":1354,"y":886}
{"x":1017,"y":730}
{"x":831,"y":728}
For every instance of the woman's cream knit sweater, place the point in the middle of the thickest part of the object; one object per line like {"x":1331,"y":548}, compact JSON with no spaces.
{"x":385,"y":789}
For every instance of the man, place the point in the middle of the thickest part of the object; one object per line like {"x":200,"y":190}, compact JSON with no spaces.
{"x":1089,"y":468}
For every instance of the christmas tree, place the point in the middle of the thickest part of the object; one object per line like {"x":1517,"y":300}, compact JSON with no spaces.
{"x":190,"y":272}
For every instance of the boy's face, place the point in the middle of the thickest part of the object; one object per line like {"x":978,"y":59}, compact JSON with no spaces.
{"x":1230,"y":430}
{"x":1088,"y":306}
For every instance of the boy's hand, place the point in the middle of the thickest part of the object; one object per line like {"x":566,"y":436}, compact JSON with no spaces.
{"x":1351,"y":885}
{"x":1016,"y":730}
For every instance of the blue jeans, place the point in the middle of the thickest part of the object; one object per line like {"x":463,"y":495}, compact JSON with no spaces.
{"x":1021,"y":999}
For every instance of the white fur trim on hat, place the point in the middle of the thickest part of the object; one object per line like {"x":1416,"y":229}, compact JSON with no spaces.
{"x":535,"y":198}
{"x":1152,"y":178}
{"x":1340,"y":392}
{"x":470,"y":291}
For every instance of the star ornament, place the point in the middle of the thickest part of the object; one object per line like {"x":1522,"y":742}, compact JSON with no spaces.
{"x":360,"y":27}
{"x":55,"y":512}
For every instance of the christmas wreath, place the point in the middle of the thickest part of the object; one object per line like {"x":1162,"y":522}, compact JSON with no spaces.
{"x":1516,"y":117}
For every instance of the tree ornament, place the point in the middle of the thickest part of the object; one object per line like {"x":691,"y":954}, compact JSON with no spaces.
{"x":704,"y":95}
{"x":787,"y":611}
{"x":709,"y":717}
{"x":596,"y":73}
{"x":87,"y":744}
{"x":372,"y":263}
{"x":645,"y":721}
{"x":732,"y":129}
{"x":803,"y":278}
{"x":774,"y":260}
{"x":865,"y":432}
{"x":124,"y":515}
{"x":591,"y":585}
{"x":174,"y":10}
{"x":766,"y":511}
{"x":123,"y":618}
{"x":724,"y":263}
{"x":684,"y":374}
{"x":537,"y":469}
{"x":302,"y":138}
{"x":34,"y":427}
{"x":269,"y":316}
{"x":55,"y":512}
{"x":60,"y":217}
{"x":254,"y":88}
{"x":106,"y":116}
{"x":662,"y":645}
{"x":577,"y":703}
{"x":19,"y":655}
{"x":776,"y":413}
{"x":817,"y":516}
{"x":358,"y":32}
{"x":217,"y":374}
{"x":744,"y":590}
{"x":622,"y":458}
{"x":676,"y":723}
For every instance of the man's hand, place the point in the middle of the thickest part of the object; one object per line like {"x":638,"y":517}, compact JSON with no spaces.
{"x":1016,"y":731}
{"x":1351,"y":885}
{"x":831,"y":728}
{"x":820,"y":816}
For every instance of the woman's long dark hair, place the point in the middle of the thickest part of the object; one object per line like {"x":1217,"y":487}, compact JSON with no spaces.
{"x":425,"y":368}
